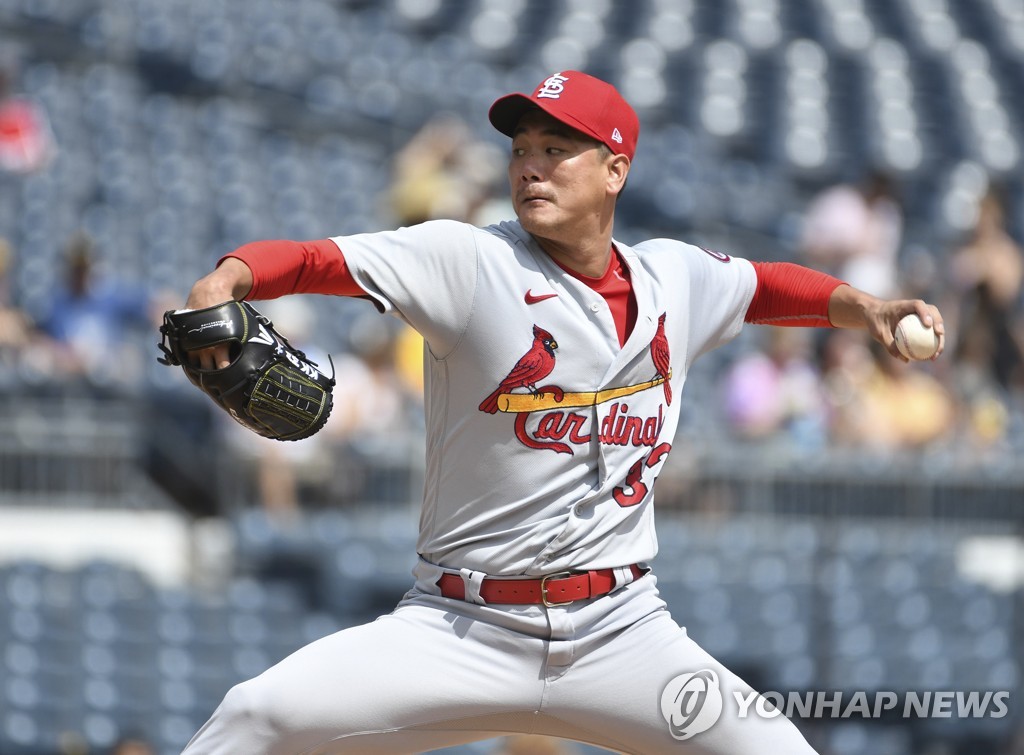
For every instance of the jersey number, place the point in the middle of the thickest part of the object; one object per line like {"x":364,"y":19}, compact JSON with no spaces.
{"x":634,"y":478}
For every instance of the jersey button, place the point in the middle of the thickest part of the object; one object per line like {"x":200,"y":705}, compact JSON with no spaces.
{"x":578,"y":509}
{"x":595,"y":307}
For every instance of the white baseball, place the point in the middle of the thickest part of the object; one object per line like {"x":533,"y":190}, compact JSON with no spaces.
{"x":914,"y":339}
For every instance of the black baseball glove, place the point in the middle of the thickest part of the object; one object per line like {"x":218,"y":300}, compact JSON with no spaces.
{"x":270,"y":387}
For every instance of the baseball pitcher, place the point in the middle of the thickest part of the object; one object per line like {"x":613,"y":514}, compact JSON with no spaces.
{"x":555,"y":355}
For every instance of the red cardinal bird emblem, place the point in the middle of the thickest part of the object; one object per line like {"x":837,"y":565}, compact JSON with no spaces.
{"x":661,"y":357}
{"x":535,"y":365}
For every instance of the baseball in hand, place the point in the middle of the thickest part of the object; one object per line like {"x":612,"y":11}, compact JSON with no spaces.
{"x":914,"y":339}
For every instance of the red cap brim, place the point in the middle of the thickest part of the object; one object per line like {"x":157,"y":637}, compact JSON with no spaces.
{"x":506,"y":112}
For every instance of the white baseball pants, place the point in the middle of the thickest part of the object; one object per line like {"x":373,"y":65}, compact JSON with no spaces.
{"x":439,"y":672}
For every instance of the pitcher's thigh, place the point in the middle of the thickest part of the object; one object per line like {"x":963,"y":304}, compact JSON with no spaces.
{"x":618,"y":693}
{"x":349,"y":691}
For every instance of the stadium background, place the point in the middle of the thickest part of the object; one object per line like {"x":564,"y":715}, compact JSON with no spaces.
{"x":145,"y":564}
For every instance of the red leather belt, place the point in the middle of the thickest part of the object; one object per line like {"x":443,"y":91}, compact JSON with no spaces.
{"x":557,"y":589}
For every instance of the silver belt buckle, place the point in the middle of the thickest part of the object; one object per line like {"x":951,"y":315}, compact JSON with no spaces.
{"x":544,"y":588}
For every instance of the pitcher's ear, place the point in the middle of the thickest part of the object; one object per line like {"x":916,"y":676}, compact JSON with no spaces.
{"x":618,"y":171}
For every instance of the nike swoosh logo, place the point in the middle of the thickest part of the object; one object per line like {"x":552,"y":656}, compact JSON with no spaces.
{"x":532,"y":298}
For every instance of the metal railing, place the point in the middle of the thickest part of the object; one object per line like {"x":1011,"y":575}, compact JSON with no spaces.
{"x":77,"y":452}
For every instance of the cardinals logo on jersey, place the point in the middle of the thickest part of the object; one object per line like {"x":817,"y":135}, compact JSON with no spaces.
{"x":662,"y":359}
{"x":533,"y":366}
{"x":548,"y":418}
{"x":555,"y":407}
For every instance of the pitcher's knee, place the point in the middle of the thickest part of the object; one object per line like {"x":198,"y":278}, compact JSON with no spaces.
{"x":258,"y":716}
{"x":245,"y":721}
{"x":252,"y":705}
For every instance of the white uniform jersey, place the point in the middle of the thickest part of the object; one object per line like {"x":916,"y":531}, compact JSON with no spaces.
{"x":544,"y":437}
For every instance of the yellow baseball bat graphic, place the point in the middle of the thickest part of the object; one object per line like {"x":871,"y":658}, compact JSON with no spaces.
{"x":518,"y":403}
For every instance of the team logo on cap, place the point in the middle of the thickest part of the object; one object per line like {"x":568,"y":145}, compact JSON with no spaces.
{"x":552,"y":87}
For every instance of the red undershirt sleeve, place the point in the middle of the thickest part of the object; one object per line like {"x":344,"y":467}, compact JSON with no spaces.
{"x":791,"y":295}
{"x":296,"y":267}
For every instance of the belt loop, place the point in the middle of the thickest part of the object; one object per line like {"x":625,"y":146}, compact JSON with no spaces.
{"x":472,"y":580}
{"x":623,"y":575}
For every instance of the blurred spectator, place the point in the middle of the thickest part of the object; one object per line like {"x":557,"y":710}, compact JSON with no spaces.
{"x":377,"y":396}
{"x":880,"y":403}
{"x":132,"y":745}
{"x":985,"y":314}
{"x":776,"y":393}
{"x":855,"y":233}
{"x":987,"y":277}
{"x":409,"y":362}
{"x":93,"y":322}
{"x":444,"y":172}
{"x":369,"y":429}
{"x":26,"y":139}
{"x":16,"y":328}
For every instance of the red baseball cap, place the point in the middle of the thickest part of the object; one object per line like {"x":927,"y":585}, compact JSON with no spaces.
{"x":580,"y":101}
